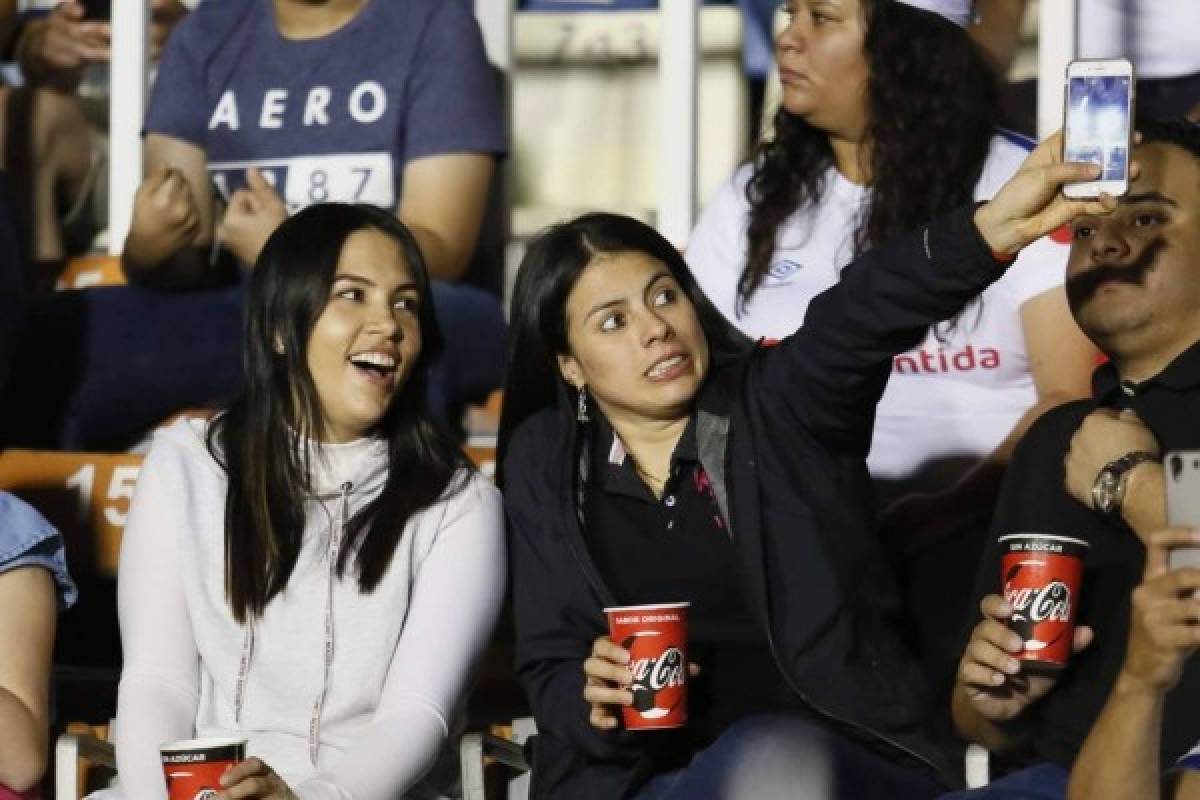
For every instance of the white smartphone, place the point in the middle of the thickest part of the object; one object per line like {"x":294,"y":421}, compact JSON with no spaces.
{"x":1098,"y":126}
{"x":1183,"y":502}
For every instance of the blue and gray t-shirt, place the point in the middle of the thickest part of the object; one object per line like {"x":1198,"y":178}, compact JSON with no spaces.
{"x":334,"y":118}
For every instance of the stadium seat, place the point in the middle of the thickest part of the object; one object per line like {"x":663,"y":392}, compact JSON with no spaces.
{"x":88,"y":271}
{"x":494,"y":763}
{"x":85,"y":495}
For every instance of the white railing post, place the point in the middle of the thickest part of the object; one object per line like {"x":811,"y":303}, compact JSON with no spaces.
{"x":1057,"y":36}
{"x":678,"y":66}
{"x":126,"y":112}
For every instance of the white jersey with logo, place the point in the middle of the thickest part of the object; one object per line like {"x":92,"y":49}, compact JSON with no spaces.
{"x":1160,"y":37}
{"x":950,"y":401}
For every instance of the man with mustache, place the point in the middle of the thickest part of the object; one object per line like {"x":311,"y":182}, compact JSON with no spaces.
{"x":1091,"y":469}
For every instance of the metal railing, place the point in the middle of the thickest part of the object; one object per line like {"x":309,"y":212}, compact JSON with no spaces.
{"x":1057,"y":45}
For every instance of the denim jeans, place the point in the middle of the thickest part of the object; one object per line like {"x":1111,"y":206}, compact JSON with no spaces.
{"x":778,"y":756}
{"x":99,"y":367}
{"x":1046,"y":781}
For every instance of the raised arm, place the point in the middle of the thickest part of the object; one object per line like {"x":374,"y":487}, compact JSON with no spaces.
{"x":456,"y":598}
{"x":1120,"y":758}
{"x":831,"y":373}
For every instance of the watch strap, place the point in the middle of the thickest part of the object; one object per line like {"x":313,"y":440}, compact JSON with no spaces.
{"x":1115,"y":471}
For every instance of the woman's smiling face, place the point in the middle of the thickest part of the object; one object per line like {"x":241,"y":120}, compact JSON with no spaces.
{"x":366,"y":340}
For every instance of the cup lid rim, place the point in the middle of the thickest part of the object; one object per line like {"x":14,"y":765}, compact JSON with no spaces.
{"x":1052,"y":536}
{"x":648,"y":606}
{"x":203,"y":743}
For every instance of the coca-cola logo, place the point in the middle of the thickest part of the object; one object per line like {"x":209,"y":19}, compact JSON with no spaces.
{"x":659,"y":673}
{"x":1051,"y":602}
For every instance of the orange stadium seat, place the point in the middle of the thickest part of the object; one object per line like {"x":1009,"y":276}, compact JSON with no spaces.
{"x":88,"y":271}
{"x":85,"y":495}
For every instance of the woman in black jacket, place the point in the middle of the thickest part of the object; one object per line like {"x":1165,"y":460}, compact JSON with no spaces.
{"x":648,"y":456}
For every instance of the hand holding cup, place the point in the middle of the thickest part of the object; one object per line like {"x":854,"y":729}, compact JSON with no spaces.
{"x":606,"y":682}
{"x":991,"y":675}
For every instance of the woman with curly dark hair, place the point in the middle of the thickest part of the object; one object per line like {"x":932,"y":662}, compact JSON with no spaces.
{"x":888,"y":119}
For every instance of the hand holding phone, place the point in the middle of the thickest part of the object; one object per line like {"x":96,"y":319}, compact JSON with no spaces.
{"x":1098,"y":127}
{"x":1183,"y":502}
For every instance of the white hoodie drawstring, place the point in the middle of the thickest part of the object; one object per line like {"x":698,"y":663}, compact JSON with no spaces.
{"x":239,"y":694}
{"x":314,"y":725}
{"x":335,"y":547}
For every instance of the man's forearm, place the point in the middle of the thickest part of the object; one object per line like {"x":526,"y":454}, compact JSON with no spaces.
{"x":1144,"y":507}
{"x":1119,"y":760}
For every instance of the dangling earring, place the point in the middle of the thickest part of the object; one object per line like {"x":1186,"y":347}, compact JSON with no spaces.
{"x":581,"y":414}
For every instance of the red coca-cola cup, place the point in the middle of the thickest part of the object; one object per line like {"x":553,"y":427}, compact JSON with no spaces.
{"x":193,"y":767}
{"x":1042,"y":574}
{"x":656,"y":638}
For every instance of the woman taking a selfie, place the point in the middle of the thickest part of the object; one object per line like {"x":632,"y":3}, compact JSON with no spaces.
{"x":649,"y":457}
{"x":317,"y":569}
{"x":888,"y":119}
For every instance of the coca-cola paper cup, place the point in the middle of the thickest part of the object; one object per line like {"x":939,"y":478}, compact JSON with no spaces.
{"x":193,"y":767}
{"x":1041,"y":574}
{"x":656,"y":638}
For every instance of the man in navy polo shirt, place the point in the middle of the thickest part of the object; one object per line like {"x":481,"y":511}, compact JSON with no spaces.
{"x":1133,"y":282}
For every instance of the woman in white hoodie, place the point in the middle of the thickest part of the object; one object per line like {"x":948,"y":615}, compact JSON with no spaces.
{"x":316,"y":570}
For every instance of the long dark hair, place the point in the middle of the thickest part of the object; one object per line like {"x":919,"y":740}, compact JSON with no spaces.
{"x":538,"y":315}
{"x":931,"y":113}
{"x":261,"y":439}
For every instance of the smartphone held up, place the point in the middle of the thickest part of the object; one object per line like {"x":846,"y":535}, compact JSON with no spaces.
{"x":1183,"y":502}
{"x":1098,"y":125}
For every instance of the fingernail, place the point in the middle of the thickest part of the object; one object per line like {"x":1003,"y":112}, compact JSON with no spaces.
{"x":997,"y":678}
{"x":1012,"y":666}
{"x":624,"y":658}
{"x":627,"y":678}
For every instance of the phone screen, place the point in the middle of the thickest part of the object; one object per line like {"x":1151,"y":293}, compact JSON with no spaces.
{"x":1097,"y":129}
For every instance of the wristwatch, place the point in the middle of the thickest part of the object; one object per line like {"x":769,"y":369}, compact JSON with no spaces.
{"x":1108,"y":491}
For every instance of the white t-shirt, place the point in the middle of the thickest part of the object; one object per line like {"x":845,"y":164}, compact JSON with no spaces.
{"x":949,"y":402}
{"x":1161,"y":37}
